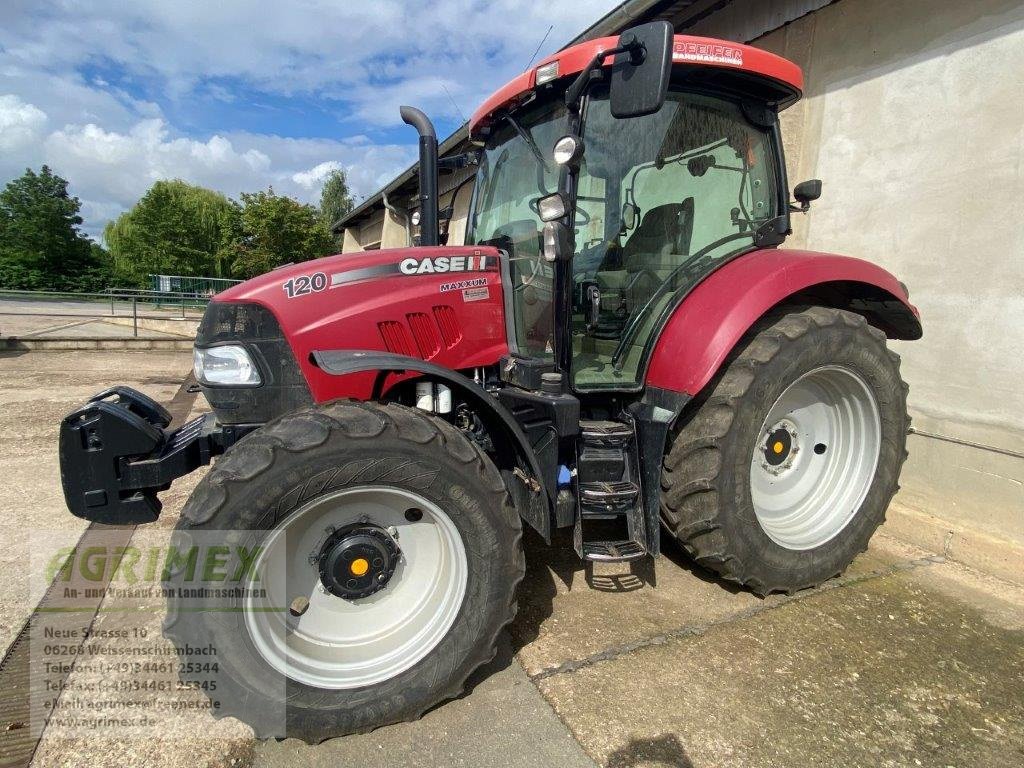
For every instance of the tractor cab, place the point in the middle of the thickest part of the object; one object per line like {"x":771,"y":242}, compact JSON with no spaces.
{"x":615,"y":176}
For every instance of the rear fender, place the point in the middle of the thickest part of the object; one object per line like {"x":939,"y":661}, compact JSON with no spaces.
{"x":711,"y":320}
{"x":512,"y":447}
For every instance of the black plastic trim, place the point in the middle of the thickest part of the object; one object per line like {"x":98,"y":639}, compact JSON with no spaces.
{"x":654,"y":416}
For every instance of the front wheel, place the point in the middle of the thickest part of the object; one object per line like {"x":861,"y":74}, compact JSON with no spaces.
{"x":381,"y":556}
{"x":782,"y":471}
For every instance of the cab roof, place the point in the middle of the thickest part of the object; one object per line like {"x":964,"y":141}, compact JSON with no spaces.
{"x":700,"y":53}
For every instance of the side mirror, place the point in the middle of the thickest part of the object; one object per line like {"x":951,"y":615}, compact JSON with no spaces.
{"x":640,"y":73}
{"x":806,"y":191}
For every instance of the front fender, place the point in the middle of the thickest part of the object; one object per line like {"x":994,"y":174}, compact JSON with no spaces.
{"x":706,"y":326}
{"x":534,"y":506}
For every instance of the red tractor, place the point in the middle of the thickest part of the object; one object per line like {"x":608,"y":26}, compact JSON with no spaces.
{"x":620,"y":346}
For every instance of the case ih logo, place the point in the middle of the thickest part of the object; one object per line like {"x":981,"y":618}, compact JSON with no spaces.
{"x":710,"y":53}
{"x":474,"y":263}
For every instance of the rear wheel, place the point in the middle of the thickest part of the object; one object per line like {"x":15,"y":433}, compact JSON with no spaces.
{"x":384,"y":558}
{"x":782,"y":471}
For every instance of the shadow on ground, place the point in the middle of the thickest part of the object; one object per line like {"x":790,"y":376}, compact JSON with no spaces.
{"x":547,"y":565}
{"x":664,"y":750}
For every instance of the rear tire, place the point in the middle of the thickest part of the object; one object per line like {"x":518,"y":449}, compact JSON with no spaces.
{"x":361,"y":455}
{"x":728,"y":471}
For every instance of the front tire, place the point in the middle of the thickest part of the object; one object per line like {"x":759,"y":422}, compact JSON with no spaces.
{"x":331,"y":488}
{"x":782,"y":470}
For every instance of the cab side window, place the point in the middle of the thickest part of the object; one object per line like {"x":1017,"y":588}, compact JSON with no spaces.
{"x":682,"y":190}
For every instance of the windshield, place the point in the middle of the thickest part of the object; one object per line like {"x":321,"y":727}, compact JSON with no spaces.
{"x":509,"y":182}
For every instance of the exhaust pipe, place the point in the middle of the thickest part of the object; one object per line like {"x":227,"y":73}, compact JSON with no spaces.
{"x":429,"y":234}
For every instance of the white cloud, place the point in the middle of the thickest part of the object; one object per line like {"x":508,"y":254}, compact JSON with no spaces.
{"x":20,"y":123}
{"x":315,"y":176}
{"x":362,"y":51}
{"x":110,"y":170}
{"x":83,"y":82}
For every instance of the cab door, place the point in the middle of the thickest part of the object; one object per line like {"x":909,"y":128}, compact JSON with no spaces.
{"x":661,"y":201}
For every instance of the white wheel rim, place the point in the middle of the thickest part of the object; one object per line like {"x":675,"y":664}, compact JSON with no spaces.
{"x":338,"y":643}
{"x":828,"y":425}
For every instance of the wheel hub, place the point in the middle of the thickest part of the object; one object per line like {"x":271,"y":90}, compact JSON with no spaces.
{"x":779,"y":448}
{"x":358,"y":560}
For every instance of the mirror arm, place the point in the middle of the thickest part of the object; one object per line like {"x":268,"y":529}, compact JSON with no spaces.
{"x":575,"y":91}
{"x":455,"y":162}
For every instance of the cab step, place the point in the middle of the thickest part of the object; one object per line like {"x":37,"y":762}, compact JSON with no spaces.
{"x":609,"y":521}
{"x":605,"y":434}
{"x":613,"y":551}
{"x":607,"y":497}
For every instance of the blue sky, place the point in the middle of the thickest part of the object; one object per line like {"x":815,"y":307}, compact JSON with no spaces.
{"x":241,"y":95}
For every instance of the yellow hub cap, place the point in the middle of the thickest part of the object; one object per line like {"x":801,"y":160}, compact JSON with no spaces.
{"x":359,"y":566}
{"x":778,"y":446}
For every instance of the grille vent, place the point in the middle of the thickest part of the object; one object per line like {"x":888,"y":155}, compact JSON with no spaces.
{"x":395,"y":338}
{"x":449,"y":325}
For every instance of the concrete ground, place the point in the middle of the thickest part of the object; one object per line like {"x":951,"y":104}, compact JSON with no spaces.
{"x":36,"y":391}
{"x":906,"y":660}
{"x":31,"y":318}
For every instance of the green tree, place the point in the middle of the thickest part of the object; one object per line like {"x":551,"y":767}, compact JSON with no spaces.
{"x":41,"y":247}
{"x":178,"y":229}
{"x":335,"y":198}
{"x":277,"y":230}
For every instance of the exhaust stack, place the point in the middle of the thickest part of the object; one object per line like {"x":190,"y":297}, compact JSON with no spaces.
{"x":429,"y":234}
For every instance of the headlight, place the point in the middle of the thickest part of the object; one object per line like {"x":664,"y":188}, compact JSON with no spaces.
{"x":228,"y":364}
{"x":568,"y":150}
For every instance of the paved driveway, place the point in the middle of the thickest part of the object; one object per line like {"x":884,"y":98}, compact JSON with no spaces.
{"x":906,"y":660}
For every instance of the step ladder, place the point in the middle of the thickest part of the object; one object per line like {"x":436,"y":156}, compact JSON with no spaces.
{"x":610,"y":524}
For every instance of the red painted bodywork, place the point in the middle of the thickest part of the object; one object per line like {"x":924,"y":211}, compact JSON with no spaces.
{"x":688,"y":50}
{"x":406,"y":314}
{"x":704,"y":329}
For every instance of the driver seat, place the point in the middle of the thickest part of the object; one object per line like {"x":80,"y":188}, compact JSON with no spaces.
{"x":656,"y":247}
{"x":664,"y":233}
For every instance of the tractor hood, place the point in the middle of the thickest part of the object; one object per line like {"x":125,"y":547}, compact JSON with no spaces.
{"x":442,"y":304}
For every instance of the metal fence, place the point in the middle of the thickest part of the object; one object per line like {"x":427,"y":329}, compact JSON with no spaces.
{"x":205,"y":286}
{"x":113,"y":302}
